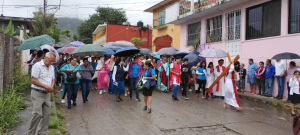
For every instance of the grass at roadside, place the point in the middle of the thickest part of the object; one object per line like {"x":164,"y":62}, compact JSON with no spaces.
{"x":57,"y":123}
{"x":13,"y":99}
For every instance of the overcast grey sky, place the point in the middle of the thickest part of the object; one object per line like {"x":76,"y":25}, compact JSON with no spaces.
{"x":82,"y":8}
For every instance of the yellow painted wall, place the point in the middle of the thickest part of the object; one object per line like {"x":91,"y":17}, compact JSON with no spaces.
{"x":171,"y":29}
{"x":95,"y":37}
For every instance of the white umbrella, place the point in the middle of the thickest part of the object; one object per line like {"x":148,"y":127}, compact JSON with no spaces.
{"x":213,"y":53}
{"x":166,"y":51}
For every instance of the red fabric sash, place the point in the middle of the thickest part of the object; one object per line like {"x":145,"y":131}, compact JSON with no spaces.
{"x":234,"y":89}
{"x":176,"y":69}
{"x":163,"y":76}
{"x":218,"y":84}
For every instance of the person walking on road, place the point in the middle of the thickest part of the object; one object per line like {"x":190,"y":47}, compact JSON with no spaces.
{"x":149,"y":84}
{"x":186,"y":72}
{"x":210,"y":77}
{"x":64,"y":91}
{"x":290,"y":74}
{"x":175,"y":69}
{"x":72,"y":85}
{"x":201,"y":78}
{"x":118,"y":80}
{"x":294,"y":84}
{"x":134,"y":72}
{"x":102,"y":76}
{"x":219,"y":91}
{"x":43,"y":80}
{"x":86,"y":81}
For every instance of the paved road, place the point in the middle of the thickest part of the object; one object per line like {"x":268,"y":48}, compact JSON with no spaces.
{"x":102,"y":115}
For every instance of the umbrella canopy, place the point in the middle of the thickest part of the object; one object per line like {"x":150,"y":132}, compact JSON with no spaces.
{"x":76,"y":43}
{"x":153,"y":53}
{"x":174,"y":48}
{"x":197,"y":53}
{"x":125,"y":43}
{"x":108,"y":51}
{"x":145,"y":51}
{"x":67,"y":50}
{"x":157,"y":57}
{"x":112,"y":45}
{"x":127,"y":51}
{"x":181,"y":54}
{"x":286,"y":55}
{"x":166,"y":51}
{"x":213,"y":53}
{"x":35,"y":42}
{"x":193,"y":59}
{"x":88,"y":50}
{"x":51,"y":49}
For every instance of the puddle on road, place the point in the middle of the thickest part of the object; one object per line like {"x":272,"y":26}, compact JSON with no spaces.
{"x":205,"y":130}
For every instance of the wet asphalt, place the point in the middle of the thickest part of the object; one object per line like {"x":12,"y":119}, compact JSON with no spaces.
{"x":102,"y":115}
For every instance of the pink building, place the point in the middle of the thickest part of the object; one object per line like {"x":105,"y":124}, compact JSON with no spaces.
{"x":256,"y":29}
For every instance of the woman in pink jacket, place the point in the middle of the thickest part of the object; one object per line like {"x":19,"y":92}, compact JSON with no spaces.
{"x":102,"y":76}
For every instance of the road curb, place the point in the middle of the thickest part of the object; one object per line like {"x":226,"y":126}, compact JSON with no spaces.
{"x":268,"y":101}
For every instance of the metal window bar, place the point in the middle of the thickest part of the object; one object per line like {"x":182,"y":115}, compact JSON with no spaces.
{"x":264,"y":20}
{"x":214,"y":29}
{"x":294,"y":16}
{"x":233,"y":24}
{"x":194,"y":34}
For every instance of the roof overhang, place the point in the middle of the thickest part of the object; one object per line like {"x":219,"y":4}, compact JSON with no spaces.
{"x":158,"y":5}
{"x":8,"y":18}
{"x":208,"y":11}
{"x":100,"y":28}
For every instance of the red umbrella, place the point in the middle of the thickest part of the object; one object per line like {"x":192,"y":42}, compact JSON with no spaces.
{"x":67,"y":49}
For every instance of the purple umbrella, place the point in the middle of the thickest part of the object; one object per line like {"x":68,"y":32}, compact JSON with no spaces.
{"x":76,"y":43}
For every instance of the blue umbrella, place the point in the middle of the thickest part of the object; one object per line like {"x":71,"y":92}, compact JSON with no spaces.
{"x":173,"y":48}
{"x":193,"y":59}
{"x":181,"y":54}
{"x":127,"y":51}
{"x":197,"y":53}
{"x":108,"y":51}
{"x":76,"y":43}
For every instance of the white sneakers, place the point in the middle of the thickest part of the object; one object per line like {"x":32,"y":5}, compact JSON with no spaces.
{"x":100,"y":92}
{"x":63,"y":101}
{"x":190,"y":90}
{"x":62,"y":90}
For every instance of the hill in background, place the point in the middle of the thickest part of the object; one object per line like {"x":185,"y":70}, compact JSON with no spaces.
{"x":68,"y":23}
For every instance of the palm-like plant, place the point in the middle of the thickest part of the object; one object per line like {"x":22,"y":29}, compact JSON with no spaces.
{"x":136,"y":41}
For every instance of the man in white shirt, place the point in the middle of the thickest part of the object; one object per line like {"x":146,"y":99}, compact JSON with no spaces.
{"x":280,"y":70}
{"x":219,"y":89}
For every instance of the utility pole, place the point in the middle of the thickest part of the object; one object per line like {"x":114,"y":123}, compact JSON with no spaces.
{"x":44,"y":25}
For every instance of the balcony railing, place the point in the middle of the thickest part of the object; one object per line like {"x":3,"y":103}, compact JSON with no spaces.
{"x":161,"y":21}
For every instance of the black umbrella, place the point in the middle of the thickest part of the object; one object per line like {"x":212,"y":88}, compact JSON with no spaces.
{"x":127,"y":51}
{"x":286,"y":55}
{"x":193,"y":59}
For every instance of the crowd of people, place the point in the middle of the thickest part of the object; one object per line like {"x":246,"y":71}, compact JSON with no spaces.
{"x":124,"y":76}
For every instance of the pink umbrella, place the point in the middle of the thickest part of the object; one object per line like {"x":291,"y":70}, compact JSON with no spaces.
{"x":67,"y":49}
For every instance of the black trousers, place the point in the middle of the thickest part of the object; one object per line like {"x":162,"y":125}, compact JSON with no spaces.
{"x":202,"y":84}
{"x":261,"y":85}
{"x":184,"y":85}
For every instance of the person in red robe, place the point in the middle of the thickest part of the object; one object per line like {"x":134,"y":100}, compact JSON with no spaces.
{"x":175,"y":73}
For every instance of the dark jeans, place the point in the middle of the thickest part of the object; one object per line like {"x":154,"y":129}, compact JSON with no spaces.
{"x":280,"y":82}
{"x":261,"y":85}
{"x":288,"y":87}
{"x":86,"y":88}
{"x":202,"y":84}
{"x":72,"y":90}
{"x":133,"y":82}
{"x":184,"y":85}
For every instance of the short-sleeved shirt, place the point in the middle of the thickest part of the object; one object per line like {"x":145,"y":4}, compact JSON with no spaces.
{"x":152,"y":73}
{"x":252,"y":69}
{"x":42,"y":74}
{"x":135,"y":70}
{"x":280,"y":67}
{"x":94,"y":65}
{"x":75,"y":69}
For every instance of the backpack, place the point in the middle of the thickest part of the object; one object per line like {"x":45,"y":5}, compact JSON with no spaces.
{"x":71,"y":76}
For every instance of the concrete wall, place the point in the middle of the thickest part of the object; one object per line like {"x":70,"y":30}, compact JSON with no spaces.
{"x":259,"y":49}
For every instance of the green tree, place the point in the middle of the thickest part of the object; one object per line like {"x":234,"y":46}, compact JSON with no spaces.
{"x":66,"y":33}
{"x":103,"y":15}
{"x":136,"y":41}
{"x":50,"y":25}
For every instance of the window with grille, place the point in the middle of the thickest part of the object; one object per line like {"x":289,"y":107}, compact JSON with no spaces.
{"x":214,"y":29}
{"x":194,"y":33}
{"x":294,"y":16}
{"x":233,"y":20}
{"x":264,"y":20}
{"x":162,"y":18}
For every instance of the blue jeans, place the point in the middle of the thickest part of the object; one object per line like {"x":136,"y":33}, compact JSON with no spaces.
{"x":86,"y":88}
{"x":269,"y":86}
{"x":280,"y":81}
{"x":288,"y":87}
{"x":72,"y":90}
{"x":133,"y":82}
{"x":175,"y":90}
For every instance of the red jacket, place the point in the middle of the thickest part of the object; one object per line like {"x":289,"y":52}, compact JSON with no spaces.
{"x":260,"y":72}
